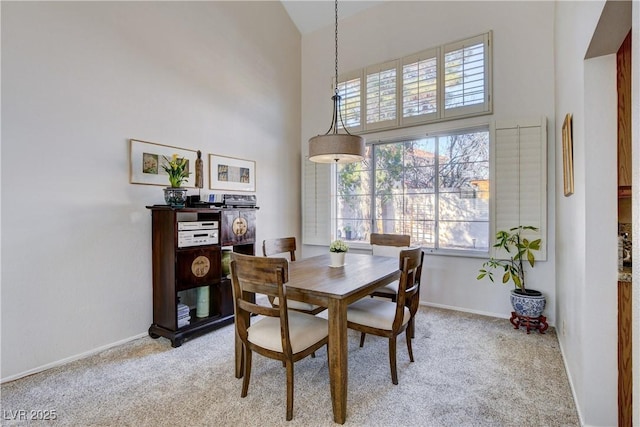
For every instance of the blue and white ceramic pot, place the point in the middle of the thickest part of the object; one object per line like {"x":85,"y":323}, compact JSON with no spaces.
{"x":530,"y":304}
{"x":175,"y":196}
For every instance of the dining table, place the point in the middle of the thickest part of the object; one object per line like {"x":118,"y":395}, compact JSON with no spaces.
{"x":314,"y":281}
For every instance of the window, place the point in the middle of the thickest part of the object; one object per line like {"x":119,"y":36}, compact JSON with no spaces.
{"x":442,"y":83}
{"x":450,"y":191}
{"x":350,"y":93}
{"x":434,"y":189}
{"x":465,"y":77}
{"x":381,"y":95}
{"x":419,"y":87}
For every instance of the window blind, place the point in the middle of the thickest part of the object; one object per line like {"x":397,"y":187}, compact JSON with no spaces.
{"x":520,"y":178}
{"x":441,"y":83}
{"x":316,"y":209}
{"x":349,"y":88}
{"x":466,"y":74}
{"x":381,"y":88}
{"x":419,"y":86}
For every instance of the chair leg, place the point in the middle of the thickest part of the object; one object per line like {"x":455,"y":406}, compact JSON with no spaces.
{"x":247,"y":372}
{"x":409,"y":345}
{"x":362,"y":335}
{"x":289,"y":390}
{"x":412,"y":326}
{"x":392,"y":360}
{"x":313,"y":355}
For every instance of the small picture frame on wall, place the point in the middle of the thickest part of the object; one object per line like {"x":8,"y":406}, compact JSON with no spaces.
{"x":230,"y":173}
{"x":567,"y":154}
{"x":146,"y":160}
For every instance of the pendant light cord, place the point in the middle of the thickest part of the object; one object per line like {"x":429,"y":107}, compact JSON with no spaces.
{"x":336,"y":32}
{"x":337,"y":112}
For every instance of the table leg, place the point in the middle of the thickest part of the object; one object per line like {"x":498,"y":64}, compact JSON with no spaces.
{"x":338,"y":349}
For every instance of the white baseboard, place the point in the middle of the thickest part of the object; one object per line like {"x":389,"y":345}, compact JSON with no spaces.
{"x":464,"y":310}
{"x":573,"y":390}
{"x":69,"y":359}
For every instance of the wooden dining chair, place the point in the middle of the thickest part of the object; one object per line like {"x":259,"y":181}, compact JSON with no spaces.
{"x":389,"y":319}
{"x":287,"y":245}
{"x":282,"y":334}
{"x":388,"y":245}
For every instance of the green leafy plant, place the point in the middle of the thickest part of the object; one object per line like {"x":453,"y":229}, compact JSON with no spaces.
{"x":520,"y":248}
{"x":177,"y":168}
{"x":338,"y":246}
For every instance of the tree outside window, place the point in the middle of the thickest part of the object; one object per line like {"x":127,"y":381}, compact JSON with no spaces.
{"x":435,"y":189}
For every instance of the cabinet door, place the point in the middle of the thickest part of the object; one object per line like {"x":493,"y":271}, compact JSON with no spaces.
{"x":197,"y":267}
{"x":238,"y":227}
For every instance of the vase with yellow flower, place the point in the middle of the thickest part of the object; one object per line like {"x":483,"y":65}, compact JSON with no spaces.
{"x":178,"y":170}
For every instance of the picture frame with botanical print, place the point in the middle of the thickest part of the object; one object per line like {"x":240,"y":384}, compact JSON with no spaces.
{"x":146,"y":160}
{"x":567,"y":154}
{"x":230,"y":173}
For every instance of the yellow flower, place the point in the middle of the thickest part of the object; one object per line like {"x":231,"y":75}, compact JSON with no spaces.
{"x":177,"y":168}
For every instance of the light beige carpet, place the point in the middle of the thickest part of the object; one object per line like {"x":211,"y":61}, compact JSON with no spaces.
{"x":469,"y":370}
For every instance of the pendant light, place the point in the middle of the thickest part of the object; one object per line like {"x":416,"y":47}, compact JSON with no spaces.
{"x":334,"y":147}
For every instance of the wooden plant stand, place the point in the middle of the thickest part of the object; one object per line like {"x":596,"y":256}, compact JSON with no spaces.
{"x":539,"y":323}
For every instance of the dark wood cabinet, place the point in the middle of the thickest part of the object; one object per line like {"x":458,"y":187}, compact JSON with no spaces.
{"x":187,"y":260}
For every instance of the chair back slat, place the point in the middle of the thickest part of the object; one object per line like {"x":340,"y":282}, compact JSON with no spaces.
{"x":252,"y":274}
{"x":390,"y":239}
{"x":283,"y":245}
{"x":409,"y":286}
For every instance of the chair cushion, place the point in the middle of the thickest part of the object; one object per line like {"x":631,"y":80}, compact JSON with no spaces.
{"x":304,"y":331}
{"x":390,"y":289}
{"x":375,"y":313}
{"x":388,"y":251}
{"x":297,"y":305}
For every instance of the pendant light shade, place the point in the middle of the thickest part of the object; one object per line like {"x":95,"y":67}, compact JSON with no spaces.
{"x":334,"y":147}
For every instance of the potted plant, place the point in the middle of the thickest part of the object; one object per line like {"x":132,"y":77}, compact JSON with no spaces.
{"x":526,"y":302}
{"x":178,"y":170}
{"x":337,"y":251}
{"x":347,"y":232}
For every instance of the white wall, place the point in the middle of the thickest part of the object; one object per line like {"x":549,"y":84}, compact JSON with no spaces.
{"x":523,"y":88}
{"x":78,"y":80}
{"x":587,"y":221}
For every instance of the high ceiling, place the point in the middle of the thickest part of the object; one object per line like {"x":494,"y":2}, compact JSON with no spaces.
{"x":310,"y":15}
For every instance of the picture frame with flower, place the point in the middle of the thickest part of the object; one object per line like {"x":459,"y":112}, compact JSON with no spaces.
{"x":146,"y":161}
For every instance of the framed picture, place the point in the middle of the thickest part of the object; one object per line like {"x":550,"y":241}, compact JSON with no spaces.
{"x":567,"y":154}
{"x":229,"y":173}
{"x":147,"y":158}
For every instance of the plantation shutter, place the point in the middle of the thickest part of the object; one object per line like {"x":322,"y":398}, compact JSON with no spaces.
{"x":519,"y":190}
{"x":467,"y":76}
{"x":350,"y":90}
{"x":419,"y":101}
{"x":316,"y":209}
{"x":381,"y":95}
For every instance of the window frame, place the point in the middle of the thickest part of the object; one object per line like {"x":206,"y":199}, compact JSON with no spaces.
{"x":407,"y":137}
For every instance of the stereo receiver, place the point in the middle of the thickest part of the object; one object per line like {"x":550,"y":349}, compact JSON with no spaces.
{"x":197,"y":225}
{"x":197,"y":233}
{"x":197,"y":238}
